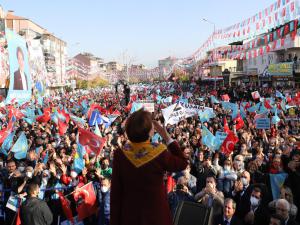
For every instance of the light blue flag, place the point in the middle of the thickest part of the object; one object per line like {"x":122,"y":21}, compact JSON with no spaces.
{"x":156,"y":138}
{"x":29,"y":113}
{"x":214,"y":100}
{"x":243,"y":112}
{"x":263,"y":109}
{"x":275,"y":118}
{"x":111,"y":119}
{"x":209,"y":139}
{"x":54,"y":117}
{"x":40,"y":112}
{"x":158,"y":99}
{"x":78,"y":163}
{"x":40,"y":100}
{"x":235,"y":109}
{"x":7,"y":143}
{"x":183,"y":100}
{"x":168,"y":99}
{"x":254,"y":108}
{"x":84,"y":104}
{"x":220,"y":137}
{"x":78,"y":120}
{"x":278,"y":94}
{"x":226,"y":105}
{"x":283,"y":105}
{"x":97,"y":130}
{"x":29,"y":120}
{"x":135,"y":107}
{"x":271,"y":101}
{"x":277,"y":181}
{"x":206,"y":115}
{"x":20,"y":148}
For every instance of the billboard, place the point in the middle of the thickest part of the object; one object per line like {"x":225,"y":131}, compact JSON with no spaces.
{"x":36,"y":61}
{"x":281,"y":69}
{"x":20,"y":83}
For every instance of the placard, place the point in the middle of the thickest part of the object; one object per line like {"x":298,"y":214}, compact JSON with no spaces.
{"x":263,"y":123}
{"x":147,"y":105}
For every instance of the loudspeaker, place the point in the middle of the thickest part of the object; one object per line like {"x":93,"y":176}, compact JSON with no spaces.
{"x":190,"y":213}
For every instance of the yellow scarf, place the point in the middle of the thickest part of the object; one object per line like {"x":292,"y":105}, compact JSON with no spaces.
{"x":142,"y":153}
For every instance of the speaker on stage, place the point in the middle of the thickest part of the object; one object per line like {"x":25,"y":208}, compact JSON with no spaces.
{"x":190,"y":213}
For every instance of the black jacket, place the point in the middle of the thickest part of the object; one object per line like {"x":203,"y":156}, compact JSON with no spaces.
{"x":234,"y":221}
{"x":35,"y":212}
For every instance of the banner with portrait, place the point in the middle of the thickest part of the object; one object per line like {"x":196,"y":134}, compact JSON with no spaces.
{"x":37,"y":65}
{"x":20,"y":83}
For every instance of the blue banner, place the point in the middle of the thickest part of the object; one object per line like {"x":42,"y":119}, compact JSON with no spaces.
{"x":263,"y":123}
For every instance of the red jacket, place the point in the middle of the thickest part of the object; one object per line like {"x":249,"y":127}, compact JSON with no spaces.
{"x":138,"y":195}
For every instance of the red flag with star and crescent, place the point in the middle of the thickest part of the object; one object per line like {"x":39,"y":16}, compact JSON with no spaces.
{"x":93,"y":141}
{"x":45,"y":117}
{"x":229,"y":143}
{"x":86,"y":201}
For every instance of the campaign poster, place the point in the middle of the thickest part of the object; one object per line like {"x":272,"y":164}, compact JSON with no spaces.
{"x":37,"y":65}
{"x":20,"y":84}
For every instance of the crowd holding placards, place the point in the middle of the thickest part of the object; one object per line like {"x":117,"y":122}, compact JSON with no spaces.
{"x":243,"y":146}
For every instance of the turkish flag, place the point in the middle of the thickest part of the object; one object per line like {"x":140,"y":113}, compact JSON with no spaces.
{"x":226,"y":127}
{"x":62,"y":127}
{"x":133,"y":98}
{"x":15,"y":112}
{"x":116,"y":113}
{"x":93,"y":141}
{"x":86,"y":202}
{"x":128,"y":107}
{"x":239,"y":122}
{"x":65,"y":204}
{"x":6,"y":131}
{"x":229,"y":142}
{"x":66,"y":115}
{"x":96,"y":106}
{"x":45,"y":117}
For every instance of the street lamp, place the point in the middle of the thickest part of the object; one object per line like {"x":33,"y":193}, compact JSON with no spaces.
{"x":213,"y":39}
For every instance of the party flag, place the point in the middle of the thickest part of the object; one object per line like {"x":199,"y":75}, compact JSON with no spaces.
{"x":20,"y":147}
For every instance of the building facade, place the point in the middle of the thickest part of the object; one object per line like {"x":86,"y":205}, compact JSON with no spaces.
{"x":54,"y":49}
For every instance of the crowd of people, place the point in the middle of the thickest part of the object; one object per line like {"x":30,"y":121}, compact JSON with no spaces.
{"x":255,"y":183}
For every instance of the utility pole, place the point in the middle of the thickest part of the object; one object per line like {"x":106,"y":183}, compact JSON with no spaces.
{"x":213,"y":38}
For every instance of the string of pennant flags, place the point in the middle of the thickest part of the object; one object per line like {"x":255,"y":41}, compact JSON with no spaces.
{"x":281,"y":12}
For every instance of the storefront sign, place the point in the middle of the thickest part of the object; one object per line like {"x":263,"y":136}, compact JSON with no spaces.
{"x":281,"y":69}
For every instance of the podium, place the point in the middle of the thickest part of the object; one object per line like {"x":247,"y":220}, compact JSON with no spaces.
{"x":190,"y":213}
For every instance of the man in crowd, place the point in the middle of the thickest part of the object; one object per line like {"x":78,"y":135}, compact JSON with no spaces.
{"x":283,"y":209}
{"x":228,"y":217}
{"x":35,"y":211}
